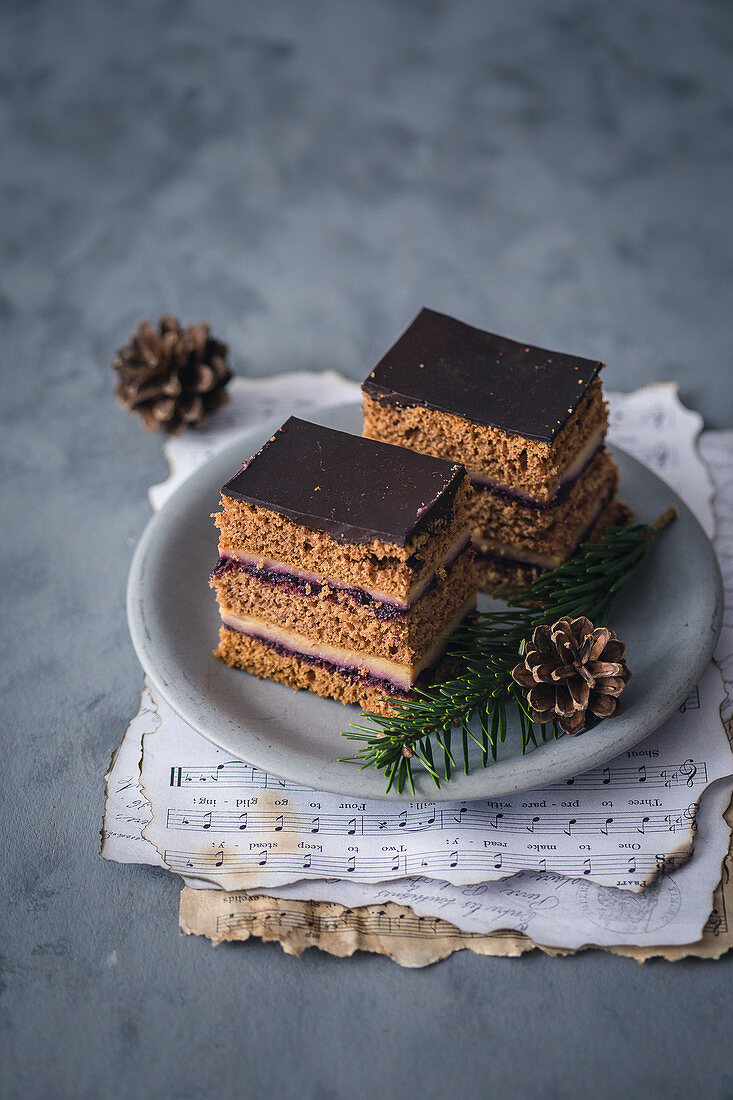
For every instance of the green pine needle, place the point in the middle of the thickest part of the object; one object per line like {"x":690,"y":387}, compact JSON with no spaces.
{"x":481,"y":655}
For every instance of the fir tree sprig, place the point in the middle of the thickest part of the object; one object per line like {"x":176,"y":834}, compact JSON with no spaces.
{"x":481,"y":655}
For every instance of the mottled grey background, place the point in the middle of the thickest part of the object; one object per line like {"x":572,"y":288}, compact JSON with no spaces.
{"x":306,"y":176}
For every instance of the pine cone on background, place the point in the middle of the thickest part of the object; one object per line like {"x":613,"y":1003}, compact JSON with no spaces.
{"x":571,"y":670}
{"x":172,"y":376}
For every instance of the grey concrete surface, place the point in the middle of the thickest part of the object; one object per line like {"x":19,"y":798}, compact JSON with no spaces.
{"x":306,"y":175}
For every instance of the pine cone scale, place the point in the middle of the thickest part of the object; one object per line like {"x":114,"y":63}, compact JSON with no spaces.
{"x":612,"y":685}
{"x":602,"y":706}
{"x":564,"y":702}
{"x":541,"y":698}
{"x":599,"y":669}
{"x":580,"y":692}
{"x":601,"y":638}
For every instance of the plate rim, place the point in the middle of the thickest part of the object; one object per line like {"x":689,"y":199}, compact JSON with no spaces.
{"x":449,"y":791}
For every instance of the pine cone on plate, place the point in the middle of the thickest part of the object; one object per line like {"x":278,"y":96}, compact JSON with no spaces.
{"x":571,"y":671}
{"x":172,"y":376}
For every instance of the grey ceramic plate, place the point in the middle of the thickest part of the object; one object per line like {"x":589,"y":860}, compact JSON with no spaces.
{"x":669,"y":616}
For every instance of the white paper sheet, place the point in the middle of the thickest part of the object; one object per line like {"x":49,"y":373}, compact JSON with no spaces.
{"x":128,"y":810}
{"x":654,"y":426}
{"x":650,"y":423}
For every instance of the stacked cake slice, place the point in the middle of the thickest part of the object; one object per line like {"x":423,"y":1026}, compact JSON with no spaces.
{"x":529,"y":426}
{"x":344,"y":564}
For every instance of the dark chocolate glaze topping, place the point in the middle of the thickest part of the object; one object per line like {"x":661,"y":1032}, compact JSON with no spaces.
{"x":352,"y":488}
{"x":444,"y":364}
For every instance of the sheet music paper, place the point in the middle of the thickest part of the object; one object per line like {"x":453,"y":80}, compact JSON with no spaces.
{"x":226,"y":822}
{"x":412,"y":940}
{"x":555,"y":829}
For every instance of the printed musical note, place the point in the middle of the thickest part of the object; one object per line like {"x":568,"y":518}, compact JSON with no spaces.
{"x":206,"y":824}
{"x":307,"y":860}
{"x":679,"y":822}
{"x":316,"y":825}
{"x":642,"y":773}
{"x":688,"y":771}
{"x":279,"y":820}
{"x":399,"y":864}
{"x":243,"y":821}
{"x":604,"y":826}
{"x":569,"y":827}
{"x":587,"y":867}
{"x":641,"y":828}
{"x":692,"y":702}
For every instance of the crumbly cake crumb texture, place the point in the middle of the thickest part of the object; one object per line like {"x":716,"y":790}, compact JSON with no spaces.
{"x":379,"y":565}
{"x":249,"y":654}
{"x":555,"y":531}
{"x":313,"y":593}
{"x":534,"y":467}
{"x":492,"y":574}
{"x":332,"y":617}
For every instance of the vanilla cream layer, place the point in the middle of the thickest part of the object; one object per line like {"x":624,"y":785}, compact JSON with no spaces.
{"x":576,"y":467}
{"x":402,"y":676}
{"x":413,"y":595}
{"x":516,"y":554}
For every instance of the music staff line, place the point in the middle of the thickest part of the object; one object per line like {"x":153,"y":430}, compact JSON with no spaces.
{"x":405,"y":822}
{"x":380,"y":924}
{"x":234,"y":773}
{"x":403,"y":864}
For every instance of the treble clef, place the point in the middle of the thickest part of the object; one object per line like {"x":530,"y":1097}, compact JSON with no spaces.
{"x":689,"y":770}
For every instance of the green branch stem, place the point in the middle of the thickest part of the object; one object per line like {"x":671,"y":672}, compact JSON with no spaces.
{"x":479,"y":660}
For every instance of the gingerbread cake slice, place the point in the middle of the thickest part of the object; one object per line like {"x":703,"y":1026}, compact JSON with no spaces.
{"x":528,"y":424}
{"x":344,"y":564}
